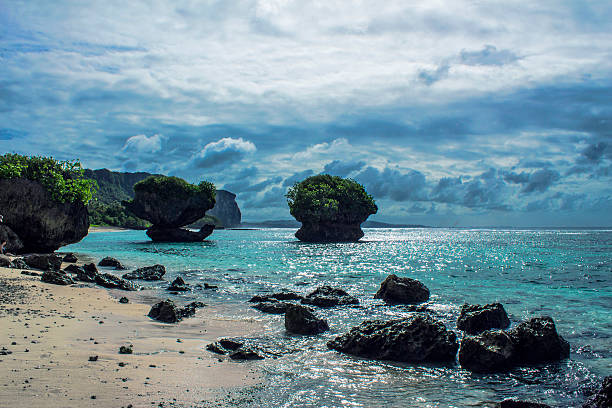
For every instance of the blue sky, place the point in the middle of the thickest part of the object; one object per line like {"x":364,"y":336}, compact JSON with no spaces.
{"x":449,"y":112}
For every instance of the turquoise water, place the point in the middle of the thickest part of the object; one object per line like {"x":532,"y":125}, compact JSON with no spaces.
{"x":564,"y":274}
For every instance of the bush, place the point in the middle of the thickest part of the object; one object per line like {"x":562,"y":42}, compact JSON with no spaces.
{"x":325,"y":198}
{"x":175,"y":188}
{"x":62,"y":179}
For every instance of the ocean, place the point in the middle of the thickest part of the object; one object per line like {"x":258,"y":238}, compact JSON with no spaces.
{"x":565,"y":274}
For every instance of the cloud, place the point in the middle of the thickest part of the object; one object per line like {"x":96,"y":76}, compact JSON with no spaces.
{"x":489,"y":55}
{"x":393,"y":184}
{"x":343,"y":168}
{"x":297,"y":177}
{"x":144,"y":144}
{"x":224,"y":151}
{"x":429,"y":77}
{"x":540,"y":181}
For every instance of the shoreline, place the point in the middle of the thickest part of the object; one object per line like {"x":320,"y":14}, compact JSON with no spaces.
{"x":104,"y":228}
{"x":52,"y":332}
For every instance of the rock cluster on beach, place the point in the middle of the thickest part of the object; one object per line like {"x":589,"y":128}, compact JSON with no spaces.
{"x":148,"y":273}
{"x":236,"y":349}
{"x":166,"y":311}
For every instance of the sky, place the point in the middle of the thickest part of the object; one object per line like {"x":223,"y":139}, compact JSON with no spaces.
{"x":450,"y":113}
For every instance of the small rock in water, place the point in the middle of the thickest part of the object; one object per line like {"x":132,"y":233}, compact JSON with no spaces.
{"x":126,"y":349}
{"x":475,"y":319}
{"x":490,"y":351}
{"x":396,"y":290}
{"x":537,"y":341}
{"x":326,"y":296}
{"x":111,"y":262}
{"x":178,"y":285}
{"x":301,"y":320}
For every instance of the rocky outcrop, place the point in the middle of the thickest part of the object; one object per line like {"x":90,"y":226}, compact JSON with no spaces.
{"x":603,"y":397}
{"x":113,"y":282}
{"x":418,"y":338}
{"x":56,"y":278}
{"x":329,"y":232}
{"x":40,"y":223}
{"x":236,"y":349}
{"x":475,"y":319}
{"x":82,"y":275}
{"x":172,"y":234}
{"x":272,"y":306}
{"x":44,"y":261}
{"x":532,"y":341}
{"x":226,"y":209}
{"x":301,"y":320}
{"x":166,"y":311}
{"x":178,"y":285}
{"x":327,"y":296}
{"x":148,"y":273}
{"x":13,"y":243}
{"x":396,"y":290}
{"x":111,"y":262}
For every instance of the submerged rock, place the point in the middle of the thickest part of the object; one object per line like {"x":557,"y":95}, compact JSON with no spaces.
{"x":402,"y":290}
{"x":301,"y":320}
{"x":178,"y":285}
{"x":148,"y":273}
{"x":111,"y":262}
{"x":272,"y":307}
{"x":44,"y":262}
{"x":490,"y":351}
{"x":418,"y":338}
{"x":475,"y":319}
{"x":56,"y":278}
{"x":113,"y":282}
{"x":603,"y":397}
{"x":327,"y":296}
{"x":537,"y":341}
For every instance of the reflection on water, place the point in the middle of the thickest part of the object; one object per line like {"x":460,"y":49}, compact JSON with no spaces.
{"x":564,"y":274}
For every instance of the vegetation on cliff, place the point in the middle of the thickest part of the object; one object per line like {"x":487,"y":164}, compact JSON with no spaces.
{"x":62,"y":179}
{"x":175,"y":188}
{"x":330,"y":199}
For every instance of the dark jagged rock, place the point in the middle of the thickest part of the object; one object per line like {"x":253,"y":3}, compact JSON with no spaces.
{"x":72,"y":268}
{"x":44,"y":262}
{"x":56,"y":278}
{"x":113,"y":282}
{"x":91,"y":268}
{"x":126,"y":349}
{"x":5,"y":261}
{"x":18,"y":263}
{"x":224,"y":346}
{"x":148,"y":273}
{"x":82,"y":274}
{"x":490,"y":351}
{"x":178,"y":285}
{"x":603,"y":397}
{"x":273,"y":307}
{"x":124,"y":300}
{"x":13,"y":243}
{"x":42,"y":224}
{"x":301,"y":320}
{"x":402,"y":290}
{"x":244,"y":353}
{"x":512,"y":403}
{"x":70,"y":258}
{"x":226,"y":209}
{"x":418,"y":338}
{"x":190,"y":309}
{"x":215,"y":348}
{"x":537,"y":341}
{"x":165,"y":311}
{"x":329,"y":232}
{"x":173,"y":234}
{"x":475,"y":319}
{"x":30,"y":273}
{"x":326,"y":296}
{"x":111,"y":262}
{"x":284,"y":295}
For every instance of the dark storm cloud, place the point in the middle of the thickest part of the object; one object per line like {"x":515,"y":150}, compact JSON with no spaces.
{"x":296,"y":177}
{"x":393,"y":184}
{"x":343,"y":168}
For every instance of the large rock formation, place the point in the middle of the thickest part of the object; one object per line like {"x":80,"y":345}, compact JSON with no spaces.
{"x":40,"y":223}
{"x":418,"y":338}
{"x":226,"y":209}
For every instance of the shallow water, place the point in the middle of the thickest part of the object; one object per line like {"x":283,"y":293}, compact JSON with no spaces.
{"x":564,"y":274}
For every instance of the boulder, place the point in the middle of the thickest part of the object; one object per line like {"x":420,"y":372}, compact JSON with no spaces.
{"x":91,"y":268}
{"x":190,"y":309}
{"x":178,"y":285}
{"x":165,"y":311}
{"x":19,"y":263}
{"x":396,"y":290}
{"x":327,"y":296}
{"x":489,"y":351}
{"x":42,"y":224}
{"x":82,"y":274}
{"x":272,"y":307}
{"x":72,"y":268}
{"x":329,"y":232}
{"x":124,"y":300}
{"x":224,"y":346}
{"x":56,"y":278}
{"x":149,"y":273}
{"x":244,"y":353}
{"x":113,"y":282}
{"x":603,"y":397}
{"x":70,"y":258}
{"x":512,"y":403}
{"x":301,"y":320}
{"x":5,"y":261}
{"x":537,"y":341}
{"x":44,"y":262}
{"x":13,"y":243}
{"x":418,"y":338}
{"x":111,"y":262}
{"x":174,"y":234}
{"x":475,"y":319}
{"x":283,"y":295}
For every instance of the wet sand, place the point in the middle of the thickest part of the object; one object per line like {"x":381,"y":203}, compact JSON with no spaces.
{"x":52,"y":331}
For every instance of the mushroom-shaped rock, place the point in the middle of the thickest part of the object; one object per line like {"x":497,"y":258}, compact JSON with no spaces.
{"x":475,"y":319}
{"x":603,"y":397}
{"x":56,"y":278}
{"x":301,"y":320}
{"x":113,"y":282}
{"x":170,"y":203}
{"x":111,"y":262}
{"x":45,"y":262}
{"x":489,"y":351}
{"x":330,"y":208}
{"x":327,"y":296}
{"x":148,"y":273}
{"x":418,"y":338}
{"x":537,"y":341}
{"x":396,"y":289}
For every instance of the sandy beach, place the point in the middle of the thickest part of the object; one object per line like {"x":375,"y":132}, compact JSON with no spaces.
{"x":50,"y":335}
